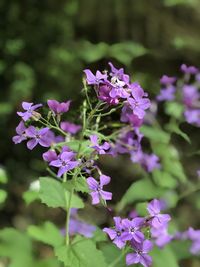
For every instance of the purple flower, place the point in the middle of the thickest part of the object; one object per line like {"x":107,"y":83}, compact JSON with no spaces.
{"x":65,"y":162}
{"x":127,"y":142}
{"x":101,"y":149}
{"x":82,"y":228}
{"x":116,"y":233}
{"x":189,"y":69}
{"x":166,"y":80}
{"x":29,"y":109}
{"x":133,"y":214}
{"x":190,"y":95}
{"x":194,"y":236}
{"x":94,"y":79}
{"x":141,"y":254}
{"x":97,"y":189}
{"x":128,"y":116}
{"x":58,"y":108}
{"x":104,"y":94}
{"x":148,"y":162}
{"x":192,"y":116}
{"x":53,"y":138}
{"x":21,"y":131}
{"x":161,"y":236}
{"x":50,"y":155}
{"x":167,"y":94}
{"x":119,"y":74}
{"x":138,"y":102}
{"x":69,"y":127}
{"x":158,"y":220}
{"x":132,"y":230}
{"x":37,"y":137}
{"x":118,"y":90}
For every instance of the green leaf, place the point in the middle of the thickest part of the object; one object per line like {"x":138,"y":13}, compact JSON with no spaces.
{"x":155,"y":134}
{"x":81,"y":253}
{"x":79,"y":184}
{"x":175,"y":168}
{"x":181,"y":2}
{"x":50,"y":262}
{"x":175,"y":129}
{"x":164,"y":257}
{"x":16,"y":246}
{"x":140,"y":191}
{"x":111,"y":253}
{"x":30,"y":196}
{"x":3,"y":176}
{"x":3,"y":196}
{"x":170,"y":160}
{"x":82,"y":146}
{"x":92,"y":52}
{"x":127,"y":51}
{"x":48,"y":233}
{"x":99,"y":236}
{"x":164,"y":179}
{"x":174,"y":109}
{"x":53,"y":194}
{"x":181,"y":249}
{"x":141,"y":209}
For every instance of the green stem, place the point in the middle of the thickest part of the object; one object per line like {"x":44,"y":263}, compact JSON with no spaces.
{"x":68,"y":215}
{"x":47,"y":124}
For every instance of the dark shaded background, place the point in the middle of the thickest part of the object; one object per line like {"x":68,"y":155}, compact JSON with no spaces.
{"x":45,"y":45}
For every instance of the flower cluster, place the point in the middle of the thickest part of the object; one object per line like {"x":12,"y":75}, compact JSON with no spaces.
{"x":131,"y":233}
{"x":184,"y":91}
{"x":115,"y":88}
{"x":73,"y":151}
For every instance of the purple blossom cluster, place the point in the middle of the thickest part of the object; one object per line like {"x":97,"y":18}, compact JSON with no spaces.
{"x":131,"y":233}
{"x":115,"y":90}
{"x":184,"y":91}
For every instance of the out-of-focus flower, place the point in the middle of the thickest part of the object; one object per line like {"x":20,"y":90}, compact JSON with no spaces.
{"x":158,"y":220}
{"x":189,"y":69}
{"x":166,"y":80}
{"x":161,"y":236}
{"x":57,"y":107}
{"x":69,"y":127}
{"x":148,"y":162}
{"x":167,"y":94}
{"x":194,"y":236}
{"x":192,"y":116}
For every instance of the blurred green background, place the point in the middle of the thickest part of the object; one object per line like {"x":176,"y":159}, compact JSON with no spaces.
{"x":45,"y":45}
